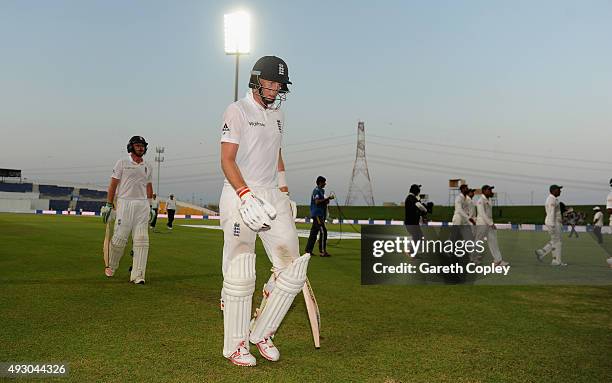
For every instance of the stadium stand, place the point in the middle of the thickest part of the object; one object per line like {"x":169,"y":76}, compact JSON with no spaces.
{"x":55,"y":191}
{"x":16,"y":187}
{"x":56,"y":204}
{"x":92,"y":194}
{"x":89,"y":205}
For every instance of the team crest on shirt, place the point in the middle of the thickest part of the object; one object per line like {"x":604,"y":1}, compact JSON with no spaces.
{"x":280,"y":126}
{"x":236,"y":229}
{"x":225,"y":129}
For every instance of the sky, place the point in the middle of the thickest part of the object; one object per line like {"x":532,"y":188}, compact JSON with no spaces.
{"x":515,"y":94}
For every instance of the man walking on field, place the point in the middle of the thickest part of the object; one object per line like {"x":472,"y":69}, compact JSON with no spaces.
{"x":131,"y":184}
{"x":255,"y":201}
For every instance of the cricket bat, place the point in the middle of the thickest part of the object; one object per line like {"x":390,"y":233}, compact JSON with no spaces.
{"x":108,"y":235}
{"x":107,"y":239}
{"x":313,"y":313}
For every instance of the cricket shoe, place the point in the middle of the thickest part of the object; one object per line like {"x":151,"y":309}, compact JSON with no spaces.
{"x":325,"y":254}
{"x":539,"y":254}
{"x":242,"y":356}
{"x":108,"y":272}
{"x":501,"y":263}
{"x":553,"y":263}
{"x":268,"y":350}
{"x":139,"y":281}
{"x":476,"y":259}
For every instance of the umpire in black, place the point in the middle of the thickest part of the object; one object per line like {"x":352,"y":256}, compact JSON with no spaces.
{"x":414,"y":210}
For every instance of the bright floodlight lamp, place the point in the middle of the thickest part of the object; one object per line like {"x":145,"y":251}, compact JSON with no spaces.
{"x":237,"y":36}
{"x":237,"y":33}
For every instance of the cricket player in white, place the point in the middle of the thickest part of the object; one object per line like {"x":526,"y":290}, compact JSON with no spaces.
{"x":485,"y":227}
{"x":131,"y":183}
{"x":598,"y":219}
{"x":609,"y":205}
{"x":553,"y":224}
{"x":255,"y":201}
{"x":461,"y":218}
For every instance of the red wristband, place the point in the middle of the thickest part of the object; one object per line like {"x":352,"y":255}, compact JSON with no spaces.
{"x":242,"y":191}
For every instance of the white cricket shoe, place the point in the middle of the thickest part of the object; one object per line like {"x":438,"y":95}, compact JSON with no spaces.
{"x":553,"y":263}
{"x":501,"y":263}
{"x":108,"y":272}
{"x":268,"y":350}
{"x":242,"y":356}
{"x":539,"y":254}
{"x":139,"y":281}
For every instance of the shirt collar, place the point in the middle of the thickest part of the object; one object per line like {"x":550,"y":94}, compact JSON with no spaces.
{"x":251,"y":98}
{"x":132,"y":160}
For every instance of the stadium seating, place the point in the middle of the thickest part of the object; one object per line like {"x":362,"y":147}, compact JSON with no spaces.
{"x":89,"y":205}
{"x":55,"y":191}
{"x":55,"y":204}
{"x":93,"y":194}
{"x":16,"y":188}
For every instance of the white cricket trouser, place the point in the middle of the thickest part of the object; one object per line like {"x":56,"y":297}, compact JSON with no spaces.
{"x":554,"y":245}
{"x":132,"y":217}
{"x":282,"y":246}
{"x":281,"y":241}
{"x":486,"y":231}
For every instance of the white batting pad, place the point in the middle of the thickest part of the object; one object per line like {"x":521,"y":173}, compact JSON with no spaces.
{"x":118,"y":242}
{"x":237,"y":297}
{"x":288,"y":284}
{"x":140,"y":243}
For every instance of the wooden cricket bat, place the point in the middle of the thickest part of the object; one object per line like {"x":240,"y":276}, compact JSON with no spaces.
{"x":106,"y":246}
{"x":313,"y":313}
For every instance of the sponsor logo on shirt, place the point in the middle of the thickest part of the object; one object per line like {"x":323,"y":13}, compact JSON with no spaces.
{"x":236,"y":229}
{"x":225,"y":129}
{"x":280,"y":126}
{"x":256,"y":123}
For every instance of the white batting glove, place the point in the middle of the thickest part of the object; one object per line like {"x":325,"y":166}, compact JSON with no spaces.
{"x":105,"y":212}
{"x":256,"y":213}
{"x":292,"y":204}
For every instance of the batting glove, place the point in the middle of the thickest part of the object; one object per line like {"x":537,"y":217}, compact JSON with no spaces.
{"x":292,"y":204}
{"x":105,"y":212}
{"x":256,"y":213}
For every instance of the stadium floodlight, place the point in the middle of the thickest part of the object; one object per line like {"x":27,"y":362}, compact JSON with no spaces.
{"x":237,"y":39}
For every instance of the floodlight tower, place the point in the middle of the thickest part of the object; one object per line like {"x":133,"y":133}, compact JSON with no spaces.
{"x":237,"y":39}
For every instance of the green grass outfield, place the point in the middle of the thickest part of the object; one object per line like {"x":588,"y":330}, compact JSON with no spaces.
{"x":57,"y":306}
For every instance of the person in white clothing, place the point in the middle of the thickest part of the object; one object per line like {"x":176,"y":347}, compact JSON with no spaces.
{"x":598,"y":219}
{"x":485,"y":227}
{"x":471,"y":206}
{"x":255,"y":201}
{"x":609,"y":205}
{"x":462,"y":221}
{"x":170,"y":210}
{"x":462,"y":207}
{"x":553,"y":224}
{"x":131,"y":184}
{"x":155,"y":207}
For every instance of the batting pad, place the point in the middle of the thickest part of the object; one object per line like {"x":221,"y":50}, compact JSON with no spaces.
{"x":140,"y":242}
{"x":120,"y":238}
{"x":288,"y":284}
{"x":237,"y":296}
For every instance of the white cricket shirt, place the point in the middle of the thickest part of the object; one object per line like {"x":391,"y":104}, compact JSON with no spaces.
{"x":553,"y":211}
{"x":133,"y":178}
{"x":258,"y":132}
